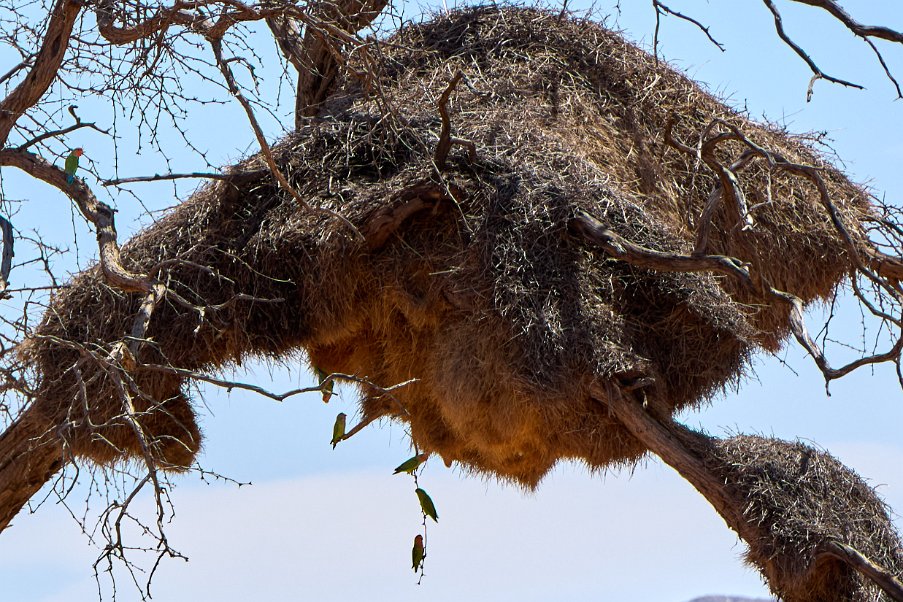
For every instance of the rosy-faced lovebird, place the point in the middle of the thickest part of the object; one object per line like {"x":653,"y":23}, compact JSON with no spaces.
{"x":426,"y":504}
{"x":72,"y":164}
{"x":417,"y":553}
{"x":411,"y":464}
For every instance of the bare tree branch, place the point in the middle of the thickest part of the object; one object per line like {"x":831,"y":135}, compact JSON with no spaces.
{"x":886,"y":580}
{"x":661,"y":8}
{"x":96,"y":212}
{"x":446,"y":140}
{"x":6,"y":264}
{"x":181,"y":176}
{"x":817,"y":73}
{"x":45,"y":67}
{"x":864,"y":31}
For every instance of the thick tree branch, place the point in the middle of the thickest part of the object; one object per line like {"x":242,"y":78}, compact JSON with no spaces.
{"x":678,"y":447}
{"x":865,"y":31}
{"x":598,"y":235}
{"x":320,"y":53}
{"x":390,"y":217}
{"x":99,"y":214}
{"x":618,"y":247}
{"x":891,"y":585}
{"x":177,"y":14}
{"x":685,"y":451}
{"x":31,"y":452}
{"x":44,"y":70}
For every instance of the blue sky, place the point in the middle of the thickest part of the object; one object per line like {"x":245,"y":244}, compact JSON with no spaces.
{"x":319,"y":524}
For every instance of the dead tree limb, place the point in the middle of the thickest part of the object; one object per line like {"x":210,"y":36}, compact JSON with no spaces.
{"x":446,"y":140}
{"x":817,"y":73}
{"x":883,"y":578}
{"x":45,"y":67}
{"x":661,"y":8}
{"x":678,"y":447}
{"x":598,"y":235}
{"x":31,"y":452}
{"x":319,"y":54}
{"x":687,"y":452}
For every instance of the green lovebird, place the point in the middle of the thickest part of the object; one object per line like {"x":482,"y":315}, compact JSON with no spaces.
{"x":329,"y":389}
{"x":72,"y":164}
{"x":410,"y":464}
{"x":426,"y":504}
{"x":417,"y":553}
{"x":338,"y":429}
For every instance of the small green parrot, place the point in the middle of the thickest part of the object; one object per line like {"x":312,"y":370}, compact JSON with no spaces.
{"x":417,"y":553}
{"x":329,"y":388}
{"x":72,"y":164}
{"x":426,"y":504}
{"x":411,"y":464}
{"x":338,"y":429}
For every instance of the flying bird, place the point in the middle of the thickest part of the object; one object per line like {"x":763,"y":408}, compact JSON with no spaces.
{"x":72,"y":164}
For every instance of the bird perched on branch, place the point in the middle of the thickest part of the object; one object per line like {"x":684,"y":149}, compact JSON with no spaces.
{"x":72,"y":164}
{"x":417,"y":553}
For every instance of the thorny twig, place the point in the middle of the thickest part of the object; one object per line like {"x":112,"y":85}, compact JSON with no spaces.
{"x":817,"y":73}
{"x":180,"y":176}
{"x":660,"y":8}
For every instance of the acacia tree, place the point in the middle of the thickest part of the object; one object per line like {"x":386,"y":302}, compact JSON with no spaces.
{"x":138,"y":55}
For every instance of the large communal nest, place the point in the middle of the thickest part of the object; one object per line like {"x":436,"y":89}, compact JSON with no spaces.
{"x":469,"y":278}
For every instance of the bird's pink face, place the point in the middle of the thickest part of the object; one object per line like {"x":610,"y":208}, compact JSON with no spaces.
{"x":78,"y":152}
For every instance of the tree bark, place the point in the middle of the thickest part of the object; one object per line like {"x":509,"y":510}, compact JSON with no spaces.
{"x":31,"y":452}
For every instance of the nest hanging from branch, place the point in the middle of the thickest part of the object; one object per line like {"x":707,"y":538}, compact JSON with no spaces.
{"x":491,"y":277}
{"x":477,"y":281}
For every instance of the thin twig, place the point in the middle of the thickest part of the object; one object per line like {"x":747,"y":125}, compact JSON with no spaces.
{"x":661,"y":8}
{"x":179,"y":176}
{"x":817,"y":73}
{"x":216,"y":45}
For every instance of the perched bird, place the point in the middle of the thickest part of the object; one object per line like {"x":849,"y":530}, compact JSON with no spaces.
{"x":411,"y":464}
{"x":72,"y":164}
{"x":326,"y":388}
{"x":338,"y":429}
{"x":426,"y":504}
{"x":417,"y":553}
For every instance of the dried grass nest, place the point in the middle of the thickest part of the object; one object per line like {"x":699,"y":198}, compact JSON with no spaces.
{"x":506,"y":318}
{"x":801,"y":499}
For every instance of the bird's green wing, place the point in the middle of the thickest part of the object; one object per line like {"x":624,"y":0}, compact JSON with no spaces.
{"x":71,"y":164}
